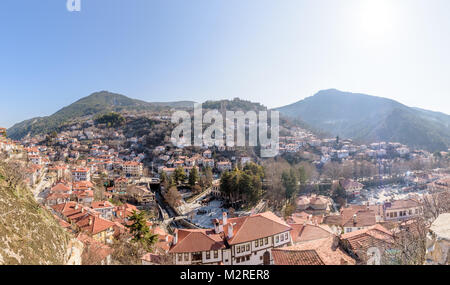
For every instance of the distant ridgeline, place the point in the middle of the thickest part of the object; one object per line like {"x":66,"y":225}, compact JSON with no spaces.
{"x":96,"y":104}
{"x":367,"y":119}
{"x":361,"y":117}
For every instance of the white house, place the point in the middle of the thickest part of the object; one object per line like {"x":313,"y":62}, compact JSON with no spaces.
{"x":235,"y":241}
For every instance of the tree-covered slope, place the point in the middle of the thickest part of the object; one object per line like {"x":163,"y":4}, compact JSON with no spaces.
{"x":368,"y":118}
{"x":96,"y":103}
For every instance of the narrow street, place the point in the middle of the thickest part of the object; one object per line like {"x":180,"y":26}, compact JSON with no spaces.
{"x":40,"y":190}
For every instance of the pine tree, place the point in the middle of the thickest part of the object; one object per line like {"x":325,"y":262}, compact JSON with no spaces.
{"x":140,"y":230}
{"x":193,"y":176}
{"x":209,"y":176}
{"x":164,"y":180}
{"x":180,"y":175}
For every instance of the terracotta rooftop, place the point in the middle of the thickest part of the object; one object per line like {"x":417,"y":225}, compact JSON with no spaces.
{"x":197,"y":240}
{"x":296,"y":257}
{"x":376,"y":235}
{"x":325,"y":250}
{"x":255,"y":227}
{"x":307,"y":232}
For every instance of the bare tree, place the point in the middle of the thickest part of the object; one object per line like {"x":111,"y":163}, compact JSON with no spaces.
{"x":409,"y":246}
{"x":275,"y":191}
{"x":126,"y":252}
{"x":12,"y":172}
{"x":310,"y":170}
{"x":436,"y":203}
{"x":173,"y":197}
{"x":332,"y":170}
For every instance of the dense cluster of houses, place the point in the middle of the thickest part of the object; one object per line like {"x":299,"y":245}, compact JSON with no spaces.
{"x":301,"y":139}
{"x":315,"y":234}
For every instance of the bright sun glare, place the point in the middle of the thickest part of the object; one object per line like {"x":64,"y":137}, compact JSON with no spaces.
{"x":376,"y":17}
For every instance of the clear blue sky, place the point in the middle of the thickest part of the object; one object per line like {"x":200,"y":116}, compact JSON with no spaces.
{"x":274,"y":52}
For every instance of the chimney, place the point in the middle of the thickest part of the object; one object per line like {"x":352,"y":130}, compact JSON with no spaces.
{"x":230,"y":230}
{"x":354,"y":219}
{"x":216,"y":226}
{"x":224,"y":218}
{"x":335,"y":242}
{"x":90,"y":221}
{"x":175,"y":238}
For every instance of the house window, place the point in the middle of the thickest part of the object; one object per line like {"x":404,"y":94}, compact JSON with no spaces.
{"x":180,"y":257}
{"x":282,"y":237}
{"x":216,"y":254}
{"x":248,"y":247}
{"x":208,"y":255}
{"x":238,"y":260}
{"x":286,"y":236}
{"x":266,"y":241}
{"x":261,"y":242}
{"x":256,"y":243}
{"x":238,"y":249}
{"x":247,"y":257}
{"x":277,"y":239}
{"x":197,"y":256}
{"x":186,"y":256}
{"x":243,"y":248}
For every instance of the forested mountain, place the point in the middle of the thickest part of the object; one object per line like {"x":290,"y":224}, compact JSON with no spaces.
{"x":96,"y":103}
{"x":368,"y":118}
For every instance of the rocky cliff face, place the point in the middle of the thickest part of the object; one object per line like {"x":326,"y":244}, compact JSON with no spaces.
{"x":29,"y":234}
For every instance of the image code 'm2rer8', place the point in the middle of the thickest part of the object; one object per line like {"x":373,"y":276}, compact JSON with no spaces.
{"x":247,"y":274}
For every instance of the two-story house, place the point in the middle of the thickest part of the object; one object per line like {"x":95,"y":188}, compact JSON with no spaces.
{"x":236,"y":241}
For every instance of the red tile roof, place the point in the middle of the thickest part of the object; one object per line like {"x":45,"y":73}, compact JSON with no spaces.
{"x":326,"y":250}
{"x":94,"y":224}
{"x":60,"y":187}
{"x":255,"y":227}
{"x":296,"y":257}
{"x":308,"y":232}
{"x":197,"y":240}
{"x":376,"y":235}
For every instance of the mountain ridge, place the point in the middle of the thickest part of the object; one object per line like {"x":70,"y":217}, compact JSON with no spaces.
{"x":364,"y":118}
{"x":367,"y":118}
{"x":94,"y":104}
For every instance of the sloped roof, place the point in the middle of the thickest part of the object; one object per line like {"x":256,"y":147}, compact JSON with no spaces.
{"x":364,"y":217}
{"x":296,"y":257}
{"x":363,"y":239}
{"x":197,"y":240}
{"x":255,"y":227}
{"x":326,"y":249}
{"x":308,"y":232}
{"x":96,"y":226}
{"x":60,"y":187}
